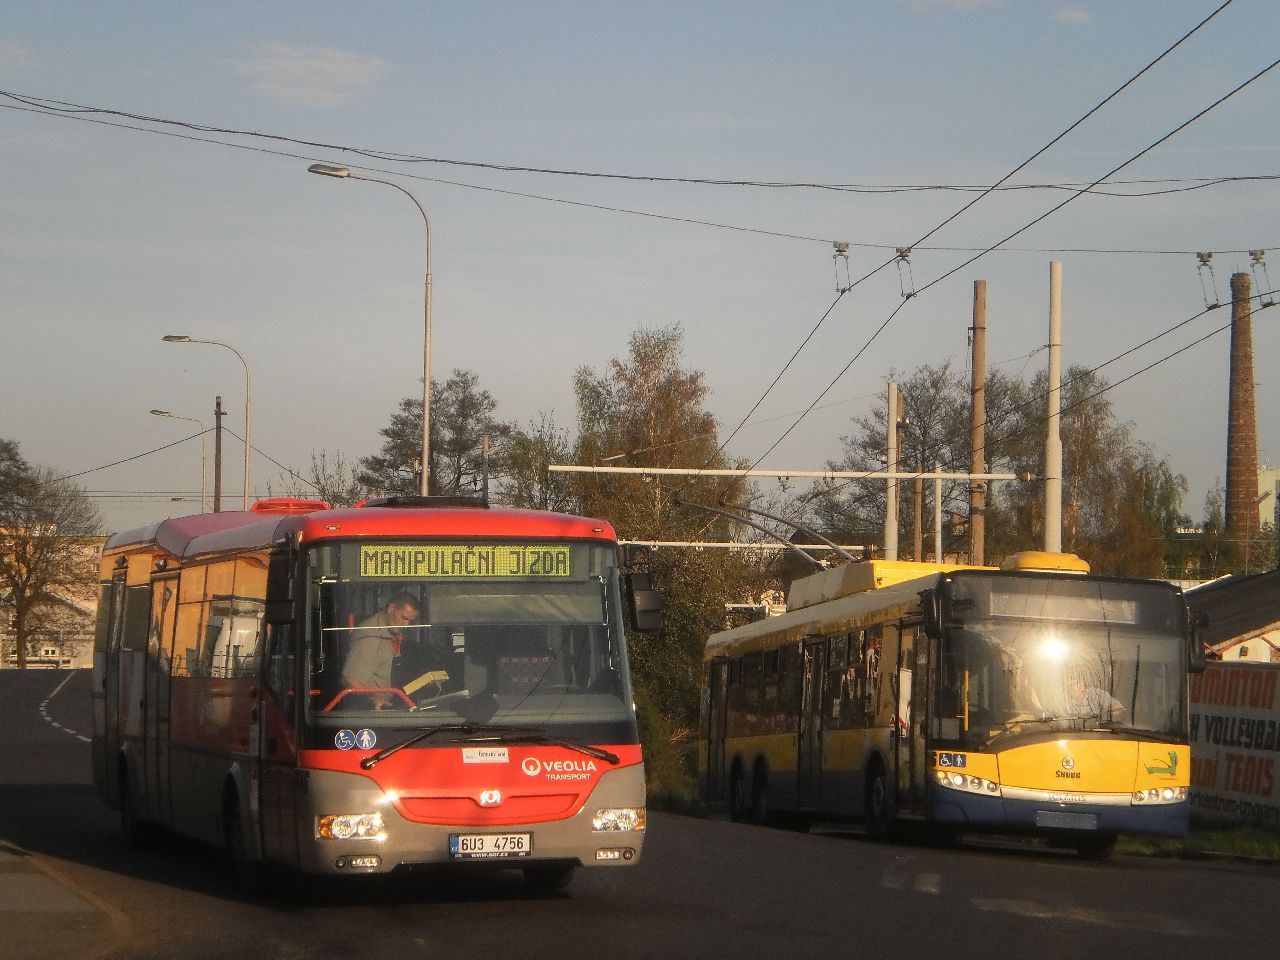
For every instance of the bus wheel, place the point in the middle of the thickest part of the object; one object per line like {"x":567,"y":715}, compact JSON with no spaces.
{"x":1096,"y":846}
{"x":137,"y":832}
{"x":737,"y":795}
{"x":249,"y":875}
{"x":545,"y":880}
{"x":879,"y":811}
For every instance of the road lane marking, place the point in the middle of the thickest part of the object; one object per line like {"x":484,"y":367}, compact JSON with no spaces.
{"x":1148,"y":922}
{"x":45,"y":702}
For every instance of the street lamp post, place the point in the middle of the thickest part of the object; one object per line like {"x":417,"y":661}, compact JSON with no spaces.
{"x":248,"y":419}
{"x":325,"y":170}
{"x":174,"y":416}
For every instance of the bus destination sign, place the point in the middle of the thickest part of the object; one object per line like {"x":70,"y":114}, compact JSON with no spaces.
{"x":475,"y":561}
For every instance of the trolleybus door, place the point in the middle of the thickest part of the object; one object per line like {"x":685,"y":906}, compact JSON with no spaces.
{"x":809,"y":759}
{"x":164,"y":607}
{"x":717,"y":716}
{"x":899,"y":641}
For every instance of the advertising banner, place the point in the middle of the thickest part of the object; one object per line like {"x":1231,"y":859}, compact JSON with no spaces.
{"x":1235,"y":743}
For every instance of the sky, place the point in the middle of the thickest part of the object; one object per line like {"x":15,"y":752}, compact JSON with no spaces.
{"x":116,"y":230}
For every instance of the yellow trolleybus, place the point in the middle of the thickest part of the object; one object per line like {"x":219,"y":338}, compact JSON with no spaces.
{"x":1034,"y":698}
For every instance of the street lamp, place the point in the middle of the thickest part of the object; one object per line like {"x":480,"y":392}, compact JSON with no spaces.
{"x":325,"y":170}
{"x":1254,"y":504}
{"x":174,"y":416}
{"x":177,"y":338}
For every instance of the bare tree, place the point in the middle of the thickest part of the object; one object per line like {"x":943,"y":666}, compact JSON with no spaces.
{"x":47,"y":547}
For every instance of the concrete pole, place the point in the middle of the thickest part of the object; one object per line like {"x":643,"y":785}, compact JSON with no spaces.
{"x":937,"y":515}
{"x":917,"y":529}
{"x":891,"y":455}
{"x":978,"y":428}
{"x":1053,"y":434}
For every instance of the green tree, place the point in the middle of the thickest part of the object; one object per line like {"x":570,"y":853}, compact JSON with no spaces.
{"x":527,"y":481}
{"x":461,"y":418}
{"x":648,"y":410}
{"x":47,"y":546}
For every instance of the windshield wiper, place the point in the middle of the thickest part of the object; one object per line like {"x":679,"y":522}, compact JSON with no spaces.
{"x":495,"y":733}
{"x":465,"y":729}
{"x":598,"y":752}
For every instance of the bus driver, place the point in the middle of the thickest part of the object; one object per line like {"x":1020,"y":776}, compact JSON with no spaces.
{"x":377,"y":644}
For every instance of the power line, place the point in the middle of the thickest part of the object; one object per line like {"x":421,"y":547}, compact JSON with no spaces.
{"x":941,"y":225}
{"x":1020,"y":230}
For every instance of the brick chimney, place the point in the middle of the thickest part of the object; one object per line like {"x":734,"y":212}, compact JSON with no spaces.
{"x":1242,"y":425}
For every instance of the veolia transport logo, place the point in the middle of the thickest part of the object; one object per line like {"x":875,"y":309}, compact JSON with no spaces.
{"x":531,"y":766}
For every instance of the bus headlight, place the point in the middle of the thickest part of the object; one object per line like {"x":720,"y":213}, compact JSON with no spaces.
{"x":959,"y":781}
{"x":351,"y":826}
{"x":1160,"y":795}
{"x":618,"y":818}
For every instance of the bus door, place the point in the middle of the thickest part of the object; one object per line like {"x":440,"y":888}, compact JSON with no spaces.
{"x":717,"y":718}
{"x":277,"y":711}
{"x":164,"y":606}
{"x":809,"y":759}
{"x":109,"y":732}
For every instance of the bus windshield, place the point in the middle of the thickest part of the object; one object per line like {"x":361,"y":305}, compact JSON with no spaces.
{"x":498,"y":633}
{"x":1033,"y":655}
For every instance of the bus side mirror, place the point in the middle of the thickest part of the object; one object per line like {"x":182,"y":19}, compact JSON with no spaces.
{"x":643,"y":603}
{"x":1196,"y":659}
{"x":931,"y":608}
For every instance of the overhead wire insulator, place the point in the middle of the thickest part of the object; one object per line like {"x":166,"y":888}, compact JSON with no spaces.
{"x":1263,"y":283}
{"x":841,"y":256}
{"x":1210,"y":290}
{"x":906,"y":282}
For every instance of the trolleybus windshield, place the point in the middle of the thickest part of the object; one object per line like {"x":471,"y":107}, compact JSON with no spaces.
{"x":498,"y":633}
{"x":1030,"y":655}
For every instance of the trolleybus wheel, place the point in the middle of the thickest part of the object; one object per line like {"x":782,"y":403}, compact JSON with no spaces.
{"x":879,"y":812}
{"x":737,"y":795}
{"x":759,"y":813}
{"x":548,"y":879}
{"x":1096,"y":846}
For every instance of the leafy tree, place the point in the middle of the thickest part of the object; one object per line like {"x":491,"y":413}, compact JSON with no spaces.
{"x":47,"y":526}
{"x":461,"y":417}
{"x":649,"y":408}
{"x":527,"y":482}
{"x":1121,"y":504}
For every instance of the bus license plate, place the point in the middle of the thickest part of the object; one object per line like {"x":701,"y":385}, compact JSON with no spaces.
{"x":490,"y":846}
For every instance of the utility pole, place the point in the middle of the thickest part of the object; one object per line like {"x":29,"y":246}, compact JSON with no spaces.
{"x":917,"y":538}
{"x":891,"y":456}
{"x":1053,"y":437}
{"x":217,"y":454}
{"x":978,"y":428}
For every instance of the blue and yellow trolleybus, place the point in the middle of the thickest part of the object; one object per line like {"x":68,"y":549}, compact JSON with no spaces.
{"x":1035,"y":698}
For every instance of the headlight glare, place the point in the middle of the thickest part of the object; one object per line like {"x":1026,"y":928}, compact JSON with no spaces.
{"x":618,"y":818}
{"x":350,"y":826}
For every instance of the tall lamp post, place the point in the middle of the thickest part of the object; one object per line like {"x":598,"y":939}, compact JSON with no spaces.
{"x":325,"y":170}
{"x":248,"y":419}
{"x":174,"y":416}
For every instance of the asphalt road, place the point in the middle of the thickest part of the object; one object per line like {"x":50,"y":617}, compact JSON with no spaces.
{"x":69,"y":887}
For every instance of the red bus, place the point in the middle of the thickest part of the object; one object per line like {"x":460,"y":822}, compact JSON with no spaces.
{"x":413,"y":681}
